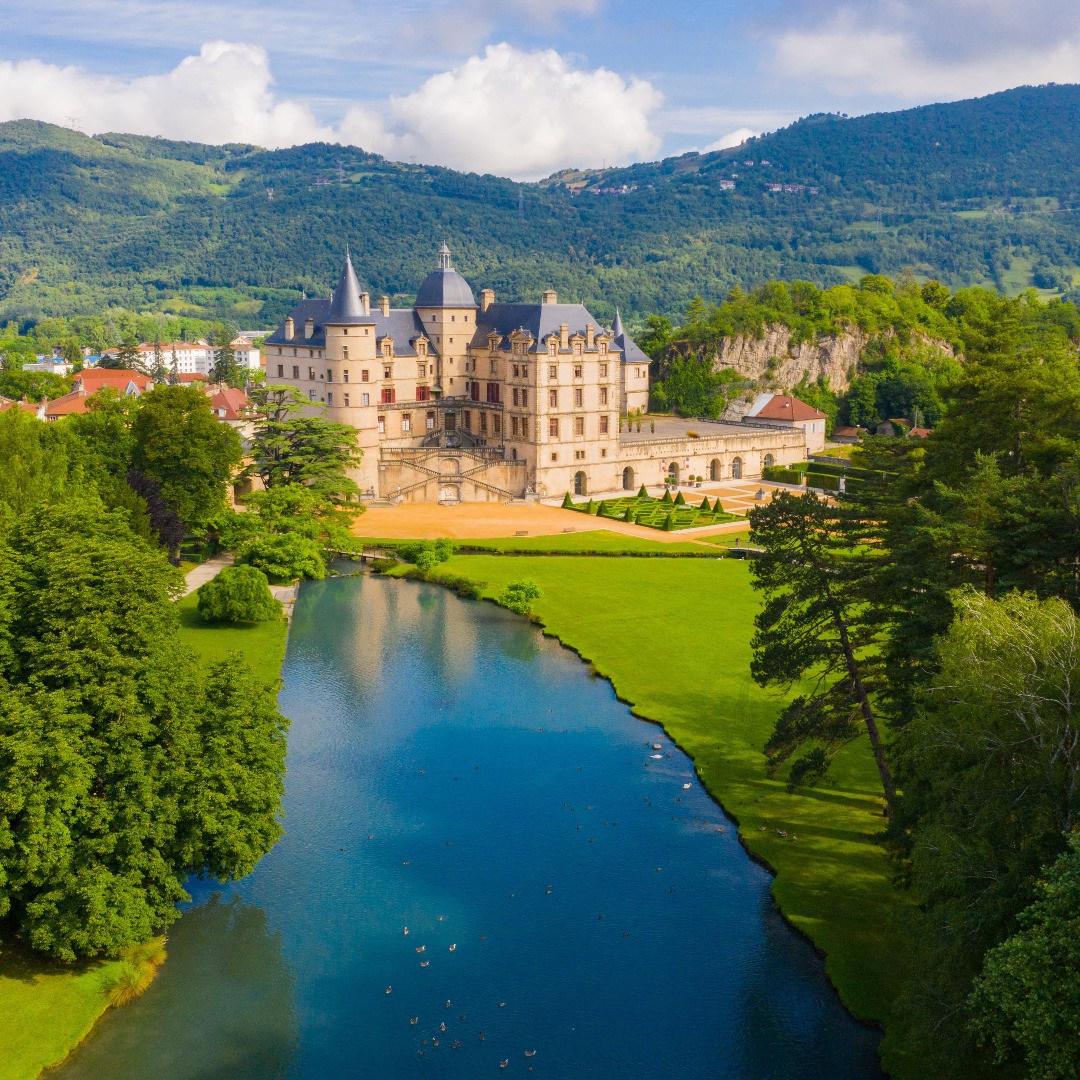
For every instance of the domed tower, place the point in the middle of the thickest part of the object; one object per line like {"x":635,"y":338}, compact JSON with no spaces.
{"x":447,"y":310}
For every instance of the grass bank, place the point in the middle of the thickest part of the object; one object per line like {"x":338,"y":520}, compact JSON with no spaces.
{"x":600,"y":541}
{"x":47,"y":1008}
{"x":673,"y":636}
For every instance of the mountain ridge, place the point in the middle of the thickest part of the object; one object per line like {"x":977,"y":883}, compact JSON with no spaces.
{"x":967,"y":192}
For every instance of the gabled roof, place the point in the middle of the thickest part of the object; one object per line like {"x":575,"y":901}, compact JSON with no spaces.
{"x":91,"y":379}
{"x":785,"y":407}
{"x":230,"y":404}
{"x":75,"y":402}
{"x":540,"y":320}
{"x":32,"y":407}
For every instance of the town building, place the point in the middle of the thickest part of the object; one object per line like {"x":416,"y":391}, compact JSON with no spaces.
{"x":196,"y":357}
{"x":454,"y":399}
{"x":788,"y":412}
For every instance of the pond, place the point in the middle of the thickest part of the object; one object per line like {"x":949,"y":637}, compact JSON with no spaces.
{"x":487,"y":859}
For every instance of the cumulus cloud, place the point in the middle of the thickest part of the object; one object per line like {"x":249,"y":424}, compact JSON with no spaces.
{"x":905,"y":51}
{"x":732,"y":138}
{"x":222,"y":95}
{"x":516,"y":113}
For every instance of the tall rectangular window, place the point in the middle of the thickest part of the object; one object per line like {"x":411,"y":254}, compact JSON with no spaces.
{"x":553,"y":427}
{"x":364,"y":376}
{"x":604,"y":424}
{"x":493,"y":392}
{"x":579,"y":371}
{"x":344,"y":352}
{"x":311,"y":373}
{"x":365,"y":399}
{"x":496,"y":424}
{"x":474,"y":391}
{"x":553,"y":371}
{"x":329,"y":376}
{"x":579,"y":425}
{"x":513,"y":427}
{"x":603,"y":371}
{"x":345,"y":375}
{"x":346,"y":401}
{"x":406,"y":422}
{"x":577,"y":397}
{"x":295,"y":372}
{"x":524,"y":399}
{"x":387,"y":371}
{"x":311,"y":395}
{"x":466,"y":419}
{"x":483,"y":423}
{"x":382,"y":425}
{"x":429,"y":421}
{"x":603,"y":395}
{"x":423,"y":393}
{"x":329,"y":398}
{"x":553,"y":399}
{"x":388,"y":396}
{"x":281,"y":371}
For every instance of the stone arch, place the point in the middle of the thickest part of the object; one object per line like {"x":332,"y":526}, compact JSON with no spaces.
{"x":736,"y":468}
{"x":770,"y":461}
{"x":451,"y":465}
{"x":716,"y":469}
{"x":673,"y":471}
{"x":628,"y":479}
{"x":580,"y":484}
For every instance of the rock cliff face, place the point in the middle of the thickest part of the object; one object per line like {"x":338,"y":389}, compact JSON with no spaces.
{"x":774,"y":362}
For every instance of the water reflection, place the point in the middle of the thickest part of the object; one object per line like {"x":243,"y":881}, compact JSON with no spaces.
{"x":222,"y":1006}
{"x":454,"y":772}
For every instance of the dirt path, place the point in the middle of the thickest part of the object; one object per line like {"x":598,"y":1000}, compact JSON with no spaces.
{"x":472,"y":521}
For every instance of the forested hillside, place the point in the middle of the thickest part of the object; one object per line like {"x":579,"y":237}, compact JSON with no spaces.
{"x":975,"y":192}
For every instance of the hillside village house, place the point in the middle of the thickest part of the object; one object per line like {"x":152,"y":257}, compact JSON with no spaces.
{"x":458,"y":400}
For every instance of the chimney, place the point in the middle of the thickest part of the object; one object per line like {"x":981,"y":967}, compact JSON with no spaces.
{"x":487,"y":298}
{"x":309,"y":326}
{"x":384,"y":305}
{"x":365,"y":302}
{"x":551,"y":296}
{"x":589,"y":335}
{"x":290,"y":328}
{"x":564,"y":336}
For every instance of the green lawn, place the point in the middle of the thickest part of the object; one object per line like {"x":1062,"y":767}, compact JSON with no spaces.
{"x":46,"y":1009}
{"x":673,"y":635}
{"x":575,"y":543}
{"x":263,"y":644}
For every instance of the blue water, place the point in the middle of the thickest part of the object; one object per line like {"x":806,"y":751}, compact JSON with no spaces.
{"x":453,"y":772}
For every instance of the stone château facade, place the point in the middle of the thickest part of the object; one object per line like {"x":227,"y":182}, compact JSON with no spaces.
{"x":455,"y":400}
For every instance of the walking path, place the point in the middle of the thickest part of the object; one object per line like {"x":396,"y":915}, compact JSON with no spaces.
{"x":204,"y":572}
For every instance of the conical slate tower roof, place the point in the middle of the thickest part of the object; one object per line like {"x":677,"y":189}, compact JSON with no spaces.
{"x":345,"y":305}
{"x":617,"y":330}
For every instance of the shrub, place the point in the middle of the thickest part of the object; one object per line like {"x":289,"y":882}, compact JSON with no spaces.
{"x":629,"y":515}
{"x":519,"y":595}
{"x":705,"y":505}
{"x":285,"y":557}
{"x":381,"y":566}
{"x":239,"y":594}
{"x":666,"y":497}
{"x":642,"y":492}
{"x":590,"y":507}
{"x":567,"y":503}
{"x":679,"y":500}
{"x":669,"y":523}
{"x":427,"y":554}
{"x":463,"y":586}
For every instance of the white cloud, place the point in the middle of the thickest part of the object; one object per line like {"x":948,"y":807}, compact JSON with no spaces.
{"x":905,"y":58}
{"x":222,"y":95}
{"x":732,"y":138}
{"x":516,"y":113}
{"x":512,"y":112}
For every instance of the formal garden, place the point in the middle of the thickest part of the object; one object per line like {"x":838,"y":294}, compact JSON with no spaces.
{"x":667,"y":512}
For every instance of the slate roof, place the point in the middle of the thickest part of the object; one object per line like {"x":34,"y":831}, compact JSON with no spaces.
{"x":543,"y":319}
{"x":402,"y":324}
{"x":345,"y":305}
{"x":444,"y":286}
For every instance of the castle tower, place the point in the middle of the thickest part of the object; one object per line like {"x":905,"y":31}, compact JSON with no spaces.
{"x":447,"y":309}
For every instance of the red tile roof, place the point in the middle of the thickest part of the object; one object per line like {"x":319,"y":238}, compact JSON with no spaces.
{"x":74,"y":402}
{"x":235,"y":403}
{"x":847,"y":432}
{"x":786,"y":407}
{"x":92,"y":379}
{"x":24,"y":405}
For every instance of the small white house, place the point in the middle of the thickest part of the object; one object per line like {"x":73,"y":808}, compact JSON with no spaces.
{"x":785,"y":411}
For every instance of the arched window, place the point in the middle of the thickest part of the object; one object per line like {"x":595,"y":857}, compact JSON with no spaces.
{"x":716,"y":470}
{"x":769,"y":461}
{"x":580,"y":485}
{"x":736,"y":469}
{"x":628,"y":479}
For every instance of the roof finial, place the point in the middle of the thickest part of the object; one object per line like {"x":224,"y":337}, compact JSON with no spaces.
{"x":444,"y":258}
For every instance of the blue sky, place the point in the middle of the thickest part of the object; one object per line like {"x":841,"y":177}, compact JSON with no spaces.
{"x":517,"y":87}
